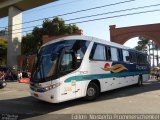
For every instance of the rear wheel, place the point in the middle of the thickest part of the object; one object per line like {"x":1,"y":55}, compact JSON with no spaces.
{"x":140,"y":81}
{"x":92,"y":92}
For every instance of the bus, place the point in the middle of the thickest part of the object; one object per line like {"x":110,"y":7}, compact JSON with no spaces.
{"x":82,"y":66}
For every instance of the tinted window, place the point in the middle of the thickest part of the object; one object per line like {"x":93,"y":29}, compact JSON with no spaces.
{"x":98,"y":52}
{"x":108,"y":53}
{"x":67,"y":62}
{"x":80,"y":47}
{"x":133,"y":57}
{"x":125,"y":55}
{"x":114,"y":54}
{"x":47,"y":64}
{"x":145,"y":59}
{"x":141,"y":59}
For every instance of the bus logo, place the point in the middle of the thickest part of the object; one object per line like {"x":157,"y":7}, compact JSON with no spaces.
{"x":115,"y":68}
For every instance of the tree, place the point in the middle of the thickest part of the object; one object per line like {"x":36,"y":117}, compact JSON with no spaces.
{"x":3,"y":51}
{"x":37,"y":34}
{"x":152,"y":46}
{"x":142,"y":43}
{"x":32,"y":41}
{"x":28,"y":44}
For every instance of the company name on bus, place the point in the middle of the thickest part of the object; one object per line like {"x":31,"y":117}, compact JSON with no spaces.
{"x":141,"y":67}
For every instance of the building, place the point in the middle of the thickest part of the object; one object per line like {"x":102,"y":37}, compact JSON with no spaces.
{"x":4,"y":34}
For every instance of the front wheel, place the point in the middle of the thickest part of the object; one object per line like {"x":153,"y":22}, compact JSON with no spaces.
{"x":92,"y":92}
{"x":3,"y":84}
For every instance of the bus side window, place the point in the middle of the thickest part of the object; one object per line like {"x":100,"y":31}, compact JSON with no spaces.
{"x":125,"y":55}
{"x":139,"y":58}
{"x":145,"y":59}
{"x":98,"y":52}
{"x":142,"y":59}
{"x":92,"y":51}
{"x":114,"y":54}
{"x":108,"y":53}
{"x":133,"y":57}
{"x":80,"y":47}
{"x":120,"y":54}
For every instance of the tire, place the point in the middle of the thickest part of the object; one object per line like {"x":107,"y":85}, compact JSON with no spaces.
{"x":3,"y":84}
{"x":92,"y":92}
{"x":140,"y":81}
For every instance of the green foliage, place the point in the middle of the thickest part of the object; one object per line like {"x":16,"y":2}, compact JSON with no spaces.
{"x":32,"y":42}
{"x":3,"y":51}
{"x":142,"y":43}
{"x":3,"y":43}
{"x":28,"y":44}
{"x":37,"y":34}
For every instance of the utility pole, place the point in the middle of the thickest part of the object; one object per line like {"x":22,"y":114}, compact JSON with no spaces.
{"x":149,"y":51}
{"x":153,"y":47}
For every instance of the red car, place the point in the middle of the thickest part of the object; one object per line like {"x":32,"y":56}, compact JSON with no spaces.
{"x":25,"y":78}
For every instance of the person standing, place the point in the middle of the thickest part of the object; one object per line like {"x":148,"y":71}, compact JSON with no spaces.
{"x":158,"y":74}
{"x":19,"y":75}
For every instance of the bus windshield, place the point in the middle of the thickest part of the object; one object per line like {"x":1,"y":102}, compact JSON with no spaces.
{"x":46,"y":65}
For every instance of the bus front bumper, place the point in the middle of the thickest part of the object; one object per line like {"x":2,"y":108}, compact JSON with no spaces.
{"x":45,"y":96}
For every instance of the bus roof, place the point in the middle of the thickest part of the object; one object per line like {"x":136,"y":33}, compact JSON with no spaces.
{"x":89,"y":38}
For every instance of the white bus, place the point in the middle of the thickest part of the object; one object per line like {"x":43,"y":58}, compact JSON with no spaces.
{"x":81,"y":66}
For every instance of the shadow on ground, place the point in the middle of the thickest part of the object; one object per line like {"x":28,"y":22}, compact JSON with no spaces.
{"x":27,"y":107}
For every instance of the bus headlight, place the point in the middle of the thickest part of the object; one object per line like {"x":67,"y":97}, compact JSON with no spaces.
{"x":51,"y":86}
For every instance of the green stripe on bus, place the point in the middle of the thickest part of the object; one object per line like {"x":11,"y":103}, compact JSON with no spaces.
{"x":101,"y":76}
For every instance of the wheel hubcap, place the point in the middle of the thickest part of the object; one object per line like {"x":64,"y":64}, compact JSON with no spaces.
{"x":4,"y":84}
{"x":91,"y":92}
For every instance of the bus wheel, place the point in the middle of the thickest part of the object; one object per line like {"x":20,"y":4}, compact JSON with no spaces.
{"x":92,"y":92}
{"x":140,"y":81}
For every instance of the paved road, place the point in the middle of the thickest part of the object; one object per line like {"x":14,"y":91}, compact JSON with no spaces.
{"x":16,"y":100}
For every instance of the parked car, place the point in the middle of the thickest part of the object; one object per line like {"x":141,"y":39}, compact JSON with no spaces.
{"x":2,"y":84}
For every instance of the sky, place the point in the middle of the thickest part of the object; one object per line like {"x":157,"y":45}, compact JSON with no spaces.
{"x":99,"y":28}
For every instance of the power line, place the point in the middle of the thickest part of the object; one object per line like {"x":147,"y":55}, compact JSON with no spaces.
{"x":122,"y":15}
{"x":122,"y":10}
{"x":127,"y":1}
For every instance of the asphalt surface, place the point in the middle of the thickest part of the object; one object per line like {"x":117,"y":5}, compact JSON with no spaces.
{"x":16,"y":102}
